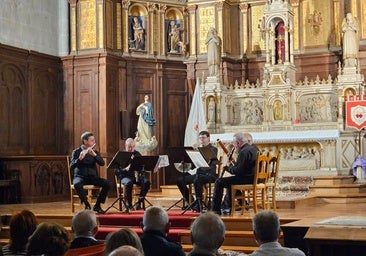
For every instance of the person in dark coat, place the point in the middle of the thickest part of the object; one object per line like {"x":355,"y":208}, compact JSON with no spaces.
{"x":84,"y":225}
{"x":155,"y":225}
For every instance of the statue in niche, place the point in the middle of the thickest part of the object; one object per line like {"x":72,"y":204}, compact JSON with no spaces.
{"x":138,"y":32}
{"x":211,"y":110}
{"x":174,"y":37}
{"x":280,"y":44}
{"x":350,"y":29}
{"x":277,"y":110}
{"x":213,"y":43}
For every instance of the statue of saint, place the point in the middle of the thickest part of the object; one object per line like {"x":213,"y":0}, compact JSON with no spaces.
{"x":146,"y":120}
{"x":213,"y":52}
{"x":211,"y":110}
{"x":173,"y":36}
{"x":350,"y":29}
{"x":138,"y":33}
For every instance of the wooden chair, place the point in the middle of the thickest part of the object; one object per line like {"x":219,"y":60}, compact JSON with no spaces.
{"x":74,"y":198}
{"x":95,"y":250}
{"x":271,"y":184}
{"x":252,"y":195}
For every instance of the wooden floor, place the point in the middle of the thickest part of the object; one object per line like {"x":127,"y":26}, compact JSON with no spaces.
{"x":308,"y":210}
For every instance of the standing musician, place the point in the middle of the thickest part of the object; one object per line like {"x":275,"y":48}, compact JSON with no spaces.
{"x":242,"y":170}
{"x":83,"y":163}
{"x":128,"y":178}
{"x":203,"y":175}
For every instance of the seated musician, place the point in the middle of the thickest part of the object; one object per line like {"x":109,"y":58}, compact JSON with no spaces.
{"x":128,"y":178}
{"x":84,"y":161}
{"x":203,"y":175}
{"x":242,"y":170}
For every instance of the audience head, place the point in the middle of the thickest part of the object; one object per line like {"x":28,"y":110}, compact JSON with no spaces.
{"x":130,"y":145}
{"x":84,"y":223}
{"x":207,"y":232}
{"x":22,"y":225}
{"x":122,"y":237}
{"x":126,"y":250}
{"x":49,"y":239}
{"x":266,"y":227}
{"x":155,"y":218}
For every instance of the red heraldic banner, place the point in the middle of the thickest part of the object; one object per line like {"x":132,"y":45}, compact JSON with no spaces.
{"x":356,"y":114}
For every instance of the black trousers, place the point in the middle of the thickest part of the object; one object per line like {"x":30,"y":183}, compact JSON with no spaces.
{"x":198,"y":181}
{"x":128,"y":183}
{"x":226,"y":182}
{"x":79,"y":182}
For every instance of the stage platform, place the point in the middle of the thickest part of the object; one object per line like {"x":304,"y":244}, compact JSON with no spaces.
{"x":308,"y":212}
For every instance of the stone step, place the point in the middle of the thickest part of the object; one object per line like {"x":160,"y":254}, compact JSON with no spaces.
{"x":232,"y":238}
{"x":245,"y":249}
{"x":325,"y":190}
{"x":333,"y":180}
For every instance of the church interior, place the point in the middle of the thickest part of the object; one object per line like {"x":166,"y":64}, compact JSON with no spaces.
{"x":287,"y":71}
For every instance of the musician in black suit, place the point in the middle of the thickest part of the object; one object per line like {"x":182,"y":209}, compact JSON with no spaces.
{"x":242,"y":170}
{"x":84,"y":225}
{"x":203,"y":175}
{"x":84,"y":160}
{"x":128,"y":178}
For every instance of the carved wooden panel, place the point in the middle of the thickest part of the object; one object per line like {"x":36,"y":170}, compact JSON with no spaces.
{"x":30,"y":109}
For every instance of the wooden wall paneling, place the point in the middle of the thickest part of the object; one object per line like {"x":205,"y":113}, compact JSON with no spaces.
{"x":67,"y":136}
{"x":42,"y":178}
{"x":86,"y":97}
{"x":45,"y":104}
{"x":176,"y":110}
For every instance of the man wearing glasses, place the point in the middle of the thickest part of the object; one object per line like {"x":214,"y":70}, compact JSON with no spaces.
{"x":203,"y":175}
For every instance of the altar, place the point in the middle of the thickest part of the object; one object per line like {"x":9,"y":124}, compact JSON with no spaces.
{"x":313,"y":150}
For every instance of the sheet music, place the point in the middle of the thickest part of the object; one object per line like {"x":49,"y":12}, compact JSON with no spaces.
{"x":197,"y":158}
{"x":163,"y":161}
{"x":193,"y":171}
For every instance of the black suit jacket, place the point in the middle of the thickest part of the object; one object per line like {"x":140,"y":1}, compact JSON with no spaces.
{"x":156,"y":244}
{"x":80,"y":242}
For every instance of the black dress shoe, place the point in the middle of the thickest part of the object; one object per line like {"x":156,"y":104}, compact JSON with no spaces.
{"x":87,"y":206}
{"x":98,"y":209}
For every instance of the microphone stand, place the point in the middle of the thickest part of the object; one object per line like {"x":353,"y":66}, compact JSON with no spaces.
{"x":182,"y":199}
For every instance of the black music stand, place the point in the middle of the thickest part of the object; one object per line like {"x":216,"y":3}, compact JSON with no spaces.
{"x":120,"y":160}
{"x":143,"y":164}
{"x":179,"y":155}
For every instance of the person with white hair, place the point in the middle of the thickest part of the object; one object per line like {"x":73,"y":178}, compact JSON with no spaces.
{"x":266,"y":229}
{"x":207,"y":234}
{"x":126,"y":250}
{"x":242,"y":169}
{"x":84,"y":225}
{"x":155,"y":226}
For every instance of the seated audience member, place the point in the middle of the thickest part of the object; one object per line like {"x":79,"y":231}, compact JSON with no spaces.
{"x":126,"y":250}
{"x":22,"y":225}
{"x":84,"y":225}
{"x":49,"y":239}
{"x":207,"y":234}
{"x":155,"y":225}
{"x":122,"y":237}
{"x":266,"y":229}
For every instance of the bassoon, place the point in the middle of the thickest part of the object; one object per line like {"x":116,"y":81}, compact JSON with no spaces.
{"x":229,"y":155}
